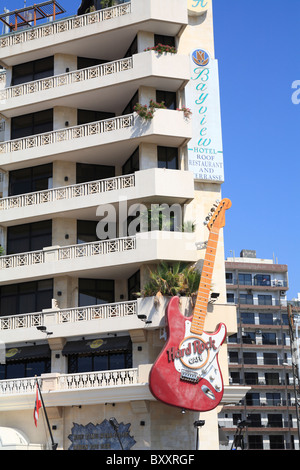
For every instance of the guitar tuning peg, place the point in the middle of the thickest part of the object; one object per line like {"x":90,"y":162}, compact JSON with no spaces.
{"x":205,"y":223}
{"x":212,"y":209}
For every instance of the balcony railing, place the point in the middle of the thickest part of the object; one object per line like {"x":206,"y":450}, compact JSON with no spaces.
{"x":254,"y":282}
{"x":78,"y":381}
{"x":67,"y":134}
{"x":109,"y":378}
{"x":68,"y":192}
{"x":73,"y":23}
{"x":58,"y":81}
{"x":70,"y":315}
{"x":68,"y":252}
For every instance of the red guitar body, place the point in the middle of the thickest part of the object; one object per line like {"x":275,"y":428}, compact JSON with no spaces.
{"x":186,"y":374}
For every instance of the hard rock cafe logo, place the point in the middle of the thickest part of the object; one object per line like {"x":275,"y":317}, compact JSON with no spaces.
{"x":192,"y":354}
{"x":200,"y":57}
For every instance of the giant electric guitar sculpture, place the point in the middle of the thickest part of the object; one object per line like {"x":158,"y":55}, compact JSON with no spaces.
{"x":187,"y":374}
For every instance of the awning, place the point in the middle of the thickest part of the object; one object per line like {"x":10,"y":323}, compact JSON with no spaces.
{"x":98,"y":346}
{"x":28,"y":352}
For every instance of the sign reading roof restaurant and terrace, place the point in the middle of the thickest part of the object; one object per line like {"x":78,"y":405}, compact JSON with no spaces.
{"x":205,"y":152}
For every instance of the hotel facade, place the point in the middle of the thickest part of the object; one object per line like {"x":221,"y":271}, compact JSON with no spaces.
{"x":77,"y":158}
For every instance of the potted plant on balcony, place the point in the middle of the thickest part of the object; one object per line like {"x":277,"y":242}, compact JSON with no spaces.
{"x":147,"y":112}
{"x":162,"y":48}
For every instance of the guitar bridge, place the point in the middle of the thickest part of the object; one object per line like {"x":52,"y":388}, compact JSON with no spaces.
{"x":189,"y":376}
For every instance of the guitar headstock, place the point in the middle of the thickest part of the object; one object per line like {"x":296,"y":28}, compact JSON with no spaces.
{"x":216,"y":217}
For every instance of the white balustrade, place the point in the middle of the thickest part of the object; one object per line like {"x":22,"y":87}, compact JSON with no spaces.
{"x":67,"y":134}
{"x":61,"y":26}
{"x":68,"y":252}
{"x":70,"y":315}
{"x":65,"y":79}
{"x":108,"y":378}
{"x":67,"y":192}
{"x":76,"y":381}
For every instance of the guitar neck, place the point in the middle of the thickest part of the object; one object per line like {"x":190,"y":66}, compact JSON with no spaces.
{"x":203,"y":295}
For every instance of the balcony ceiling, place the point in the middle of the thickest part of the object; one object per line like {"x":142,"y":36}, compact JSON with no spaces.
{"x":108,"y":45}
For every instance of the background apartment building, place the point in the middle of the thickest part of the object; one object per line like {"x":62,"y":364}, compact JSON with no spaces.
{"x":260,"y":354}
{"x":73,"y":152}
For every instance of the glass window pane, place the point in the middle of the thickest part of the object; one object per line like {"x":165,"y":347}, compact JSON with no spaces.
{"x":100,"y":363}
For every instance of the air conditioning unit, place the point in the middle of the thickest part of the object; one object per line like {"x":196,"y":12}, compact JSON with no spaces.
{"x":282,"y":293}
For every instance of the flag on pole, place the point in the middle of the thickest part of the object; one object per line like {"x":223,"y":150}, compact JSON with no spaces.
{"x":37,"y":406}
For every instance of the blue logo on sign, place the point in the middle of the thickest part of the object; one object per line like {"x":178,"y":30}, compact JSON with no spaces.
{"x":200,"y":57}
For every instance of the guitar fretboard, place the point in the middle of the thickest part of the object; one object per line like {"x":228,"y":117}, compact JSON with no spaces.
{"x":200,"y":308}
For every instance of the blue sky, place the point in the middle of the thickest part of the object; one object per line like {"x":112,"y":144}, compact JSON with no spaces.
{"x":257,"y":45}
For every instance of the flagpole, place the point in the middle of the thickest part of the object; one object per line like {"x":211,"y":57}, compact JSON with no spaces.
{"x":54,"y":446}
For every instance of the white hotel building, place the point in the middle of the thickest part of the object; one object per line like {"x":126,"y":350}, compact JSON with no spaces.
{"x":72,"y":146}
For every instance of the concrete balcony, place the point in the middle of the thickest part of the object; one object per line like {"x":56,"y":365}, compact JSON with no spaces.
{"x":155,"y":184}
{"x":98,"y":142}
{"x":90,"y":388}
{"x":115,"y":258}
{"x":110,"y":84}
{"x":83,"y":388}
{"x":103,"y":34}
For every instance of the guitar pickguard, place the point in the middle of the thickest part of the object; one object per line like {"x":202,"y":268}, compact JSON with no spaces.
{"x":196,"y":357}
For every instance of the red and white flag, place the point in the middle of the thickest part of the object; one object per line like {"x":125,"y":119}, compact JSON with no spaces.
{"x":37,"y":406}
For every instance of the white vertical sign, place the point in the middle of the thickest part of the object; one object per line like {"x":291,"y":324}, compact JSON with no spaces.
{"x":205,"y":149}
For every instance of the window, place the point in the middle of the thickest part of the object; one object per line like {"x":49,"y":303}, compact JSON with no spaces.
{"x":262,"y":280}
{"x":85,"y":62}
{"x":29,"y":237}
{"x":96,"y":291}
{"x":84,"y":116}
{"x":229,"y":278}
{"x":230,"y":298}
{"x":25,"y":368}
{"x":250,"y":358}
{"x":249,"y":338}
{"x":28,"y":297}
{"x":86,"y":231}
{"x":167,"y":157}
{"x":31,"y":179}
{"x":233,"y":357}
{"x":245,"y":279}
{"x":276,"y":442}
{"x":273,"y":399}
{"x":251,"y":378}
{"x":132,"y":164}
{"x":134,"y":285}
{"x":272,"y":378}
{"x":246,"y":299}
{"x":165,"y":40}
{"x":88,"y":363}
{"x":255,"y":420}
{"x":270,"y":359}
{"x":32,"y":124}
{"x":266,"y":318}
{"x":235,"y":378}
{"x":168,"y":98}
{"x":86,"y":172}
{"x":269,"y":338}
{"x":275,"y":420}
{"x":252,"y":399}
{"x":255,"y":442}
{"x":34,"y":70}
{"x":248,"y":318}
{"x":264,"y":299}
